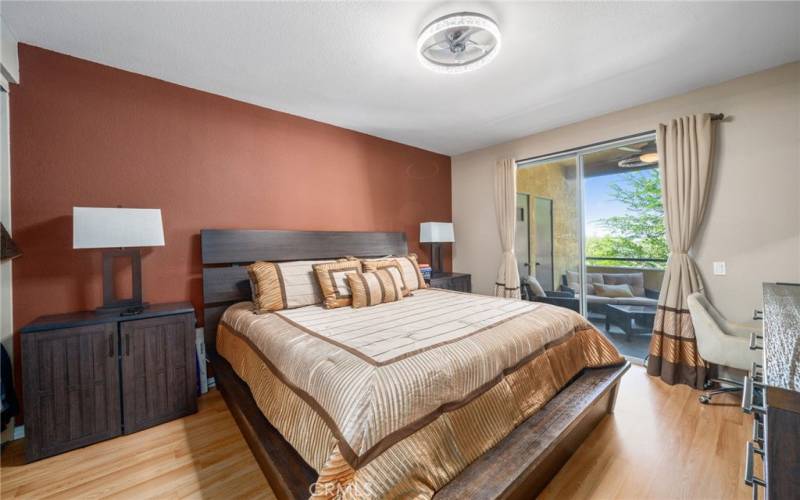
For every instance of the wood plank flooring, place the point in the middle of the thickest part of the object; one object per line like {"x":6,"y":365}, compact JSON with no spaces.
{"x":660,"y":443}
{"x":199,"y":456}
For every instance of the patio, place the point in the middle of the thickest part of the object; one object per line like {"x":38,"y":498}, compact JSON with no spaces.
{"x":635,"y":346}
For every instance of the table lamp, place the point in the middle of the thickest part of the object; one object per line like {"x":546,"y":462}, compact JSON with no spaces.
{"x":436,"y":233}
{"x":121,"y":231}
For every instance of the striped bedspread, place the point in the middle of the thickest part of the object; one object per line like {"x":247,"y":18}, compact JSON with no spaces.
{"x":396,"y":399}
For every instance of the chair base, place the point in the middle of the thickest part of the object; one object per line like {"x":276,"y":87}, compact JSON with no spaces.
{"x":734,"y":386}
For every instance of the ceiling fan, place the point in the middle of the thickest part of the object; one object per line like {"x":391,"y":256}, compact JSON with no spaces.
{"x":458,"y":43}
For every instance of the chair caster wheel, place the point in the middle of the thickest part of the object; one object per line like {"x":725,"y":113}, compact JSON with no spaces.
{"x":704,"y":399}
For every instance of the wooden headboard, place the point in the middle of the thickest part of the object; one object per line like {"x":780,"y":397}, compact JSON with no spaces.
{"x":227,"y":252}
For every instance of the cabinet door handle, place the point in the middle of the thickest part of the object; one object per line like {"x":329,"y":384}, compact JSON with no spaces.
{"x":753,"y":341}
{"x":110,"y":346}
{"x":127,"y":344}
{"x":749,"y":478}
{"x":747,"y":396}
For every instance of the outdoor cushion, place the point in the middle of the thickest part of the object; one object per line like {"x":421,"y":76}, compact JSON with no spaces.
{"x":613,"y":291}
{"x":634,"y":280}
{"x":622,"y":301}
{"x":535,"y":286}
{"x":573,"y":278}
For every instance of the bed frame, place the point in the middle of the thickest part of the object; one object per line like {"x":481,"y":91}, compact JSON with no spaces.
{"x":520,"y":466}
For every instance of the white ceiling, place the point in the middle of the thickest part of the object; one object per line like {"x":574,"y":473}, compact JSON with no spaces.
{"x":354,"y":64}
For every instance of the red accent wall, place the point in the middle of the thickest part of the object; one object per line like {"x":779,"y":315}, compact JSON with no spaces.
{"x":84,"y":134}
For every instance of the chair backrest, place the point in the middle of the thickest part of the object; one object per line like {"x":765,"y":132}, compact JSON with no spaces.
{"x":707,"y":322}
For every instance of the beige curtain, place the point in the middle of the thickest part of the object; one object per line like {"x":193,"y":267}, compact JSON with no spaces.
{"x":685,"y":148}
{"x":505,"y":204}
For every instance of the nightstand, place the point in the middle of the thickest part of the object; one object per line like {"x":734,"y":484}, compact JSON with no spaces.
{"x":459,"y":282}
{"x":88,"y":377}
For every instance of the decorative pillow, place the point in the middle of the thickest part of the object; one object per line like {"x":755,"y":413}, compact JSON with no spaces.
{"x":613,"y":291}
{"x":284,"y":285}
{"x":409,"y":269}
{"x":332,"y":277}
{"x":535,"y":286}
{"x":375,"y":287}
{"x":392,"y":264}
{"x":634,"y":280}
{"x":573,"y":278}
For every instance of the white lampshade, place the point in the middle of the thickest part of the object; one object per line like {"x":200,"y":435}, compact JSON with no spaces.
{"x":116,"y":227}
{"x":436,"y":232}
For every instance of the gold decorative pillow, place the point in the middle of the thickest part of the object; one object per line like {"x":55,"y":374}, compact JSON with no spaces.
{"x":284,"y":285}
{"x":392,"y":264}
{"x":409,"y":269}
{"x":332,"y":277}
{"x":375,"y":287}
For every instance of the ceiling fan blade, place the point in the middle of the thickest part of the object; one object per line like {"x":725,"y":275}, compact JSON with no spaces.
{"x":464,"y":35}
{"x":435,"y":44}
{"x":481,"y":46}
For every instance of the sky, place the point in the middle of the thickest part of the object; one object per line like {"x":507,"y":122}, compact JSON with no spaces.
{"x":599,"y":203}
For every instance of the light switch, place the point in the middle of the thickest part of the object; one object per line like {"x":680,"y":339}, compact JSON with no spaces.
{"x":719,"y":268}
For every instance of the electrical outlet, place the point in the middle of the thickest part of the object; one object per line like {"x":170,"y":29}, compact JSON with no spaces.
{"x":719,"y":268}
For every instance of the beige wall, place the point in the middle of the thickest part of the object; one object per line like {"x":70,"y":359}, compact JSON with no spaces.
{"x":753,"y":221}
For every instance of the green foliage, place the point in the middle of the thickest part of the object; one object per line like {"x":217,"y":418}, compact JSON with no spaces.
{"x":640,"y":232}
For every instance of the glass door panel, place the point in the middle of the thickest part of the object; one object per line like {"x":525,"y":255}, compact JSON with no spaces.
{"x":550,"y":190}
{"x":625,"y":248}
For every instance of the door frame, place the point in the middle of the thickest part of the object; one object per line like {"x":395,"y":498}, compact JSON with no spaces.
{"x":528,"y":228}
{"x":552,"y":243}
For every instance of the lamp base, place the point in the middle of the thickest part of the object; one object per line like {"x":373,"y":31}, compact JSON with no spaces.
{"x":111,"y":303}
{"x":436,"y":258}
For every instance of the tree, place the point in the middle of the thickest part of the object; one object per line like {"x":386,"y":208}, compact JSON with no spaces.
{"x":640,"y":232}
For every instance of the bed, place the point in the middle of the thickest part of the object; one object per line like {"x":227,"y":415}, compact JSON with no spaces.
{"x":442,"y":393}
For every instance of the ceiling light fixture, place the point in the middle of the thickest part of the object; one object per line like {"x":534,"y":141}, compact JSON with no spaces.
{"x":637,"y":161}
{"x":457,"y":43}
{"x":649,"y":157}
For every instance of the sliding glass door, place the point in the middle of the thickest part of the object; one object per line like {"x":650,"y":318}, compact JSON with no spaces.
{"x":596,"y":235}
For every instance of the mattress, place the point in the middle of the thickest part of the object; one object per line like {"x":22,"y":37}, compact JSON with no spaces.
{"x":396,"y":399}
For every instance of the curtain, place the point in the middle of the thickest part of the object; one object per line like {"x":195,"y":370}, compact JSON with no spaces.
{"x":505,"y":204}
{"x":684,"y":157}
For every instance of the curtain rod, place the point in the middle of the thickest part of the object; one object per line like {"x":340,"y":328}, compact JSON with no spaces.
{"x":717,"y":117}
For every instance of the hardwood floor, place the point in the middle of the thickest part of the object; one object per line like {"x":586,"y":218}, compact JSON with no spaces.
{"x":199,"y":456}
{"x":660,"y":443}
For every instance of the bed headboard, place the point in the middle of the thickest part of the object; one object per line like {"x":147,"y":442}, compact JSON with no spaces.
{"x":227,"y":252}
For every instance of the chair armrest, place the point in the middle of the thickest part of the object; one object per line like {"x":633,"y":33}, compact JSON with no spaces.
{"x":563,"y":294}
{"x":742,"y":330}
{"x":651,"y":294}
{"x":565,"y":288}
{"x":567,"y":302}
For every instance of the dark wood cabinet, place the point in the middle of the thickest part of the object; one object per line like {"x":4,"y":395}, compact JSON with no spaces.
{"x":89,"y":377}
{"x":158,"y":368}
{"x":452,"y":281}
{"x":772,"y":394}
{"x":71,"y":386}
